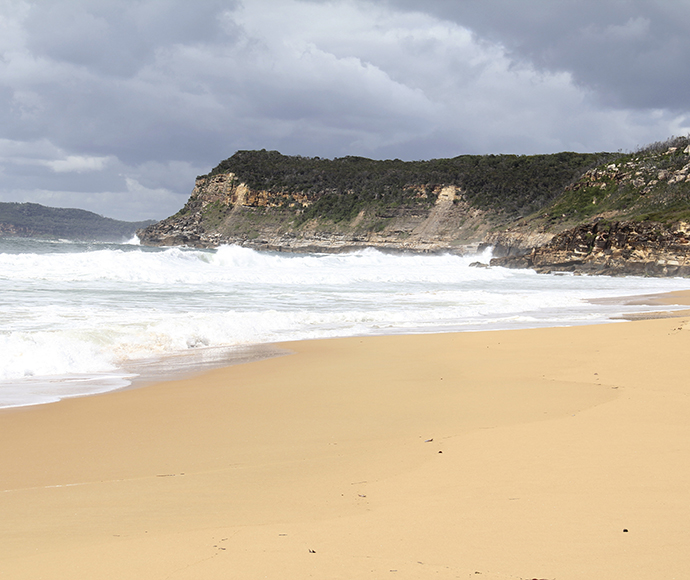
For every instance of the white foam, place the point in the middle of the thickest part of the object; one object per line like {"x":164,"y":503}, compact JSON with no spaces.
{"x":133,"y":241}
{"x":81,"y":310}
{"x":50,"y":389}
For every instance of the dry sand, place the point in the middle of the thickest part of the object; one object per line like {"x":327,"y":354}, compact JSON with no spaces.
{"x":554,"y":453}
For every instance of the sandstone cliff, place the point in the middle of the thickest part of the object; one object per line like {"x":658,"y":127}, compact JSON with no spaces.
{"x":627,"y":217}
{"x":266,"y":200}
{"x":223,"y":210}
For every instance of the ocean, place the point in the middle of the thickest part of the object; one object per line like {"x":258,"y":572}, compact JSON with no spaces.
{"x":85,"y":318}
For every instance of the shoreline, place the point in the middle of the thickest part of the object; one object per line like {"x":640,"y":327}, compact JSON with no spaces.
{"x":197,"y":363}
{"x":673,"y":298}
{"x":144,"y":372}
{"x":509,"y":454}
{"x":139,"y":373}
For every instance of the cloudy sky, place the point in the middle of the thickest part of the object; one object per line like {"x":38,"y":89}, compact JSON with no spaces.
{"x":116,"y":105}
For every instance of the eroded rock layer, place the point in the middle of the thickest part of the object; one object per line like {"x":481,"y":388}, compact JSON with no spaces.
{"x":612,"y":248}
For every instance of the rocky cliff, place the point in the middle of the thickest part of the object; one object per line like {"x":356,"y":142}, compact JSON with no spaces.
{"x":612,"y":249}
{"x":651,"y":185}
{"x":266,"y":200}
{"x":223,"y":210}
{"x":626,"y":217}
{"x":604,"y":213}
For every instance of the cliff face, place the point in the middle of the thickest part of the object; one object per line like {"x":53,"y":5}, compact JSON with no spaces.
{"x":223,"y":210}
{"x":266,"y":200}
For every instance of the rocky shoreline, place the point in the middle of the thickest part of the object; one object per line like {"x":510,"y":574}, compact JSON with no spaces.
{"x":599,"y":248}
{"x":611,"y":249}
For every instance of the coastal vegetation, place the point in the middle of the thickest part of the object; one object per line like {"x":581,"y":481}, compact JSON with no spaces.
{"x":650,"y":184}
{"x":338,"y":189}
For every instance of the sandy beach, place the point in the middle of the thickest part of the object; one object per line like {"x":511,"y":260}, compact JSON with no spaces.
{"x":559,"y":453}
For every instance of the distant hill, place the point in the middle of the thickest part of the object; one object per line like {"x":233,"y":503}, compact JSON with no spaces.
{"x":32,"y":220}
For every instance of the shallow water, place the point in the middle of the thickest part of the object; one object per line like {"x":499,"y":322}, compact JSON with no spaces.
{"x":81,"y":318}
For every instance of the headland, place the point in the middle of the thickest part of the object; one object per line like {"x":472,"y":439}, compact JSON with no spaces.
{"x":595,"y":213}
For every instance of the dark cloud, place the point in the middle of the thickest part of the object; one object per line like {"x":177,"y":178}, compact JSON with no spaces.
{"x":633,"y":53}
{"x":116,"y":105}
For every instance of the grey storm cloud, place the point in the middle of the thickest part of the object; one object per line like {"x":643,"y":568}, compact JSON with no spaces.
{"x":632,"y":53}
{"x":116,"y":105}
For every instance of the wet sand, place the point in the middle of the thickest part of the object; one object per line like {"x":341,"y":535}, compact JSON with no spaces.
{"x":548,"y":453}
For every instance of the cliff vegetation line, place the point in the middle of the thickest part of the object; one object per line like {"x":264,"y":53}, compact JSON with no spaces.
{"x":264,"y":199}
{"x":338,"y":189}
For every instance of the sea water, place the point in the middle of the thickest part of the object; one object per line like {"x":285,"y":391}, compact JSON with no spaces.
{"x":83,"y":318}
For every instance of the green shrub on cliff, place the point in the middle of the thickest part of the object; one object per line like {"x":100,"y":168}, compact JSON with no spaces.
{"x":647,"y":185}
{"x":338,"y":189}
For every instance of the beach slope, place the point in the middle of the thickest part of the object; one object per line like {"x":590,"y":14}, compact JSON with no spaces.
{"x":551,"y":453}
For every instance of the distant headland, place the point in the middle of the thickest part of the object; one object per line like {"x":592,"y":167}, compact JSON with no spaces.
{"x":32,"y":220}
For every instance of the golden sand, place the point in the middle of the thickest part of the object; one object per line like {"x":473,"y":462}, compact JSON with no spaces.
{"x":553,"y":453}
